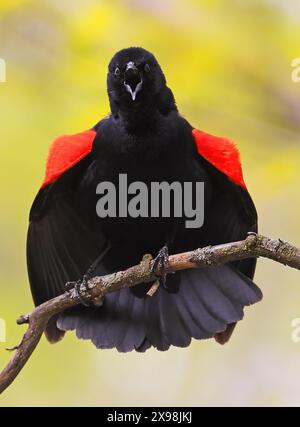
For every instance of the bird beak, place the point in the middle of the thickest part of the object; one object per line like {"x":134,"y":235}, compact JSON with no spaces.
{"x":133,"y":80}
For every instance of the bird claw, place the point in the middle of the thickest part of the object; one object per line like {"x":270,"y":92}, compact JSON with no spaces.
{"x":162,"y":262}
{"x":83,"y":285}
{"x":80,"y":286}
{"x":69,"y":286}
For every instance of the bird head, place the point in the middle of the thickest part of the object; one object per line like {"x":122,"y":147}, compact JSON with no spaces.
{"x":135,"y":80}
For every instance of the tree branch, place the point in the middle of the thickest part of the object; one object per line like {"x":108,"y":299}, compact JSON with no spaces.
{"x":253,"y":246}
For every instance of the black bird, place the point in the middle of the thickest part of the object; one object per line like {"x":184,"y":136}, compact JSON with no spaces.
{"x":147,"y":139}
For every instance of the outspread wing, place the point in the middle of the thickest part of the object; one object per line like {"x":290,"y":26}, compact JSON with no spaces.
{"x":232,"y":213}
{"x":62,"y":240}
{"x":222,"y":153}
{"x":65,"y":152}
{"x":220,"y":158}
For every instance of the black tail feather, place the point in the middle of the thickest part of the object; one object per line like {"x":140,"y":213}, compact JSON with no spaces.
{"x":208,"y":301}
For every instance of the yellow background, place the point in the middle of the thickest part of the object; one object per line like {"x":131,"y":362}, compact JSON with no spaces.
{"x":229,"y":66}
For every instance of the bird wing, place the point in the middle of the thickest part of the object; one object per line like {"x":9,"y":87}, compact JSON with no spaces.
{"x":222,"y":153}
{"x":232,"y":213}
{"x":65,"y":152}
{"x":62,"y":239}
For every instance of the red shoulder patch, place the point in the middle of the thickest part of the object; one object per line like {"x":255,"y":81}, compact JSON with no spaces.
{"x":222,"y":154}
{"x":65,"y":152}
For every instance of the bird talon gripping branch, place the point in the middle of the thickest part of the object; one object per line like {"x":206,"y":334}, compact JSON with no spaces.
{"x":70,"y":285}
{"x":82,"y":286}
{"x":160,"y":265}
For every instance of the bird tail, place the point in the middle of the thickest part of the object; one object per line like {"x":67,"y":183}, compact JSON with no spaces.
{"x":207,"y":303}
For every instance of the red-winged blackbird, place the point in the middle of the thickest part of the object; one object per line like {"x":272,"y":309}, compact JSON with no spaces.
{"x":146,"y":138}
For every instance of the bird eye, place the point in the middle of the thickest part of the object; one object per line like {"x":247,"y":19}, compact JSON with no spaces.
{"x":117,"y":71}
{"x":147,"y":68}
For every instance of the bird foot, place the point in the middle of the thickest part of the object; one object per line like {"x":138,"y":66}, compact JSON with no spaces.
{"x":80,"y":286}
{"x":83,"y":286}
{"x":160,"y":265}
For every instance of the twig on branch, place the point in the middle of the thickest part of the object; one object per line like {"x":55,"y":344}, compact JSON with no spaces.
{"x":253,"y":246}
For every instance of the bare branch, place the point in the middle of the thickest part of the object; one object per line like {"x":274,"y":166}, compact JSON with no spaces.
{"x":252,"y":247}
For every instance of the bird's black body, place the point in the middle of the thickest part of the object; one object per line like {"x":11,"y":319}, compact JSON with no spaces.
{"x":147,"y":139}
{"x":167,"y":153}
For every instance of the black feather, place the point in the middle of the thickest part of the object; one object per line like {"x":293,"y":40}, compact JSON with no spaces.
{"x":203,"y":306}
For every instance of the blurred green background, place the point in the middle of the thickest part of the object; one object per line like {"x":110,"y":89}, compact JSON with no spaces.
{"x":229,"y":65}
